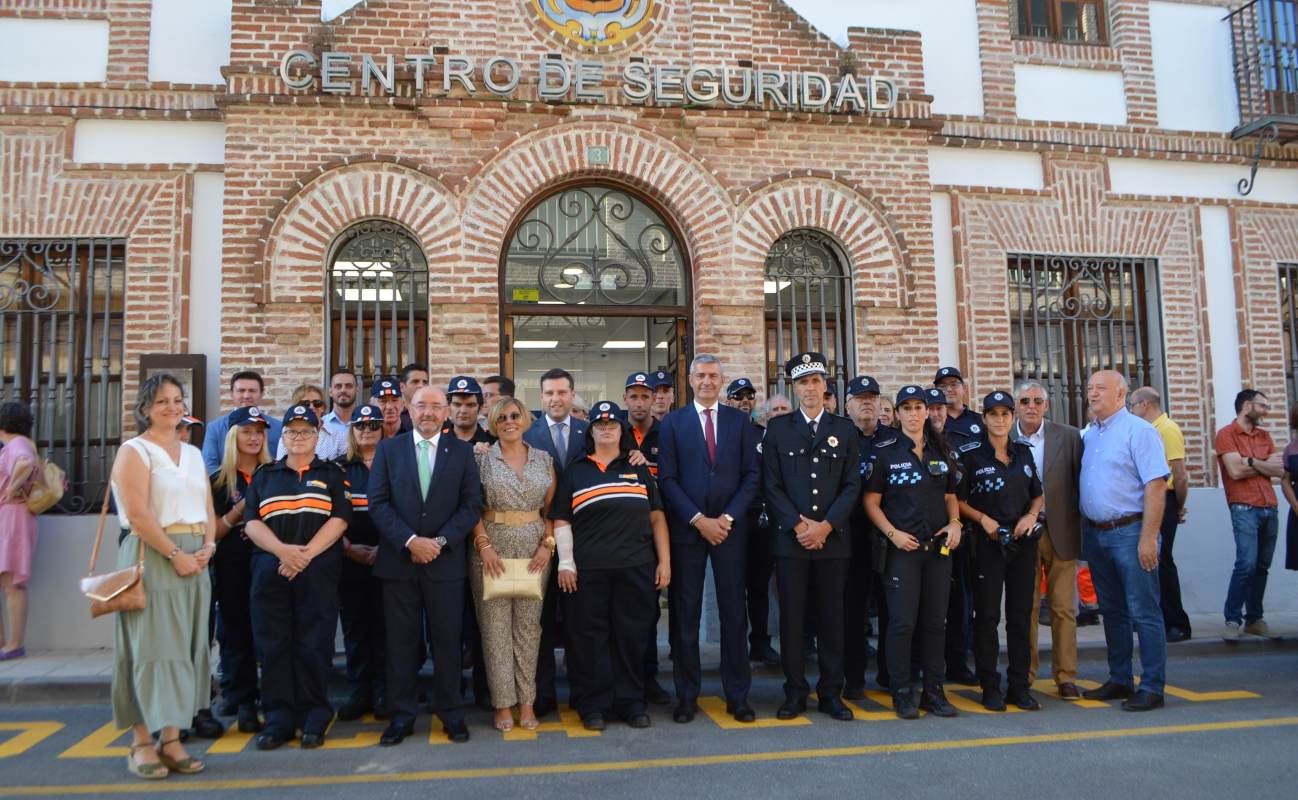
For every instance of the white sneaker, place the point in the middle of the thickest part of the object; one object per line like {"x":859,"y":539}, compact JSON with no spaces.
{"x":1260,"y":628}
{"x":1231,"y":633}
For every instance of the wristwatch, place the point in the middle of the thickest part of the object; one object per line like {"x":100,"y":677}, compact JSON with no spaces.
{"x":548,"y":542}
{"x":1249,"y":461}
{"x":173,"y":553}
{"x":729,"y":518}
{"x":440,"y":541}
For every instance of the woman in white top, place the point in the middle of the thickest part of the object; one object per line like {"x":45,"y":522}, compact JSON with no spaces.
{"x":161,"y":674}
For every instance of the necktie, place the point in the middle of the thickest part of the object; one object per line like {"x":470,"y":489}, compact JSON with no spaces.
{"x":560,"y":431}
{"x":710,"y":436}
{"x":813,"y":428}
{"x":425,"y":467}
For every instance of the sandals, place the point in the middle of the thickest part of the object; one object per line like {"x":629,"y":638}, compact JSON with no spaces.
{"x":150,"y":772}
{"x":529,"y":723}
{"x":185,"y":766}
{"x":504,"y":725}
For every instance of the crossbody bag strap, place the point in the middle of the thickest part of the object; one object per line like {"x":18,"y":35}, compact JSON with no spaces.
{"x":103,"y":516}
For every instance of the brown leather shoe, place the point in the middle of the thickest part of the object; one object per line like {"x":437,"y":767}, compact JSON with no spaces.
{"x":1069,"y":691}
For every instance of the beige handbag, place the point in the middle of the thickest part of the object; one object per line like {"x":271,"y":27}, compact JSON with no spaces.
{"x":122,"y":590}
{"x":516,"y":583}
{"x":48,"y":488}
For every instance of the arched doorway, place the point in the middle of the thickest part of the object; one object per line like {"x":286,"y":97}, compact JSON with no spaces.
{"x":594,"y":279}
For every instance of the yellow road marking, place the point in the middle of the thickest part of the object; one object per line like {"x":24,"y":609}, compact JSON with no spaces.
{"x":233,"y":741}
{"x":1205,"y":697}
{"x":957,"y":697}
{"x":30,"y":734}
{"x":569,"y":723}
{"x":137,"y":787}
{"x":715,"y":708}
{"x":99,"y":744}
{"x":1049,"y":687}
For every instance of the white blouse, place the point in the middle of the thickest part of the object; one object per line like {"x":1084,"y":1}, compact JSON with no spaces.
{"x":177,"y":493}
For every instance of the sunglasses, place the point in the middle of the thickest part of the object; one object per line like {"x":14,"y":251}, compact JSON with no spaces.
{"x":369,"y":426}
{"x":513,"y":416}
{"x":1032,"y":401}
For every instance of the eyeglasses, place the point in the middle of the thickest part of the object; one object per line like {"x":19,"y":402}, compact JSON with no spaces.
{"x":1032,"y":401}
{"x":369,"y":426}
{"x":298,"y":434}
{"x":430,"y":406}
{"x":512,"y":416}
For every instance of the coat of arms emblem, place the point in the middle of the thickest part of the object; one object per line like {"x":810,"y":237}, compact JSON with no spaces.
{"x":601,"y":24}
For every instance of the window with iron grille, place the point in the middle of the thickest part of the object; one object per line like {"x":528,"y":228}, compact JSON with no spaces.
{"x":808,"y":289}
{"x":1073,"y":315}
{"x":1289,"y":323}
{"x":1059,"y":20}
{"x":61,"y":332}
{"x":377,"y":300}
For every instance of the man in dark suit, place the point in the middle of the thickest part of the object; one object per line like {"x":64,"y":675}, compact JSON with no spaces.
{"x":563,"y":436}
{"x":425,"y":497}
{"x":811,"y":476}
{"x":708,"y":475}
{"x":1057,"y":451}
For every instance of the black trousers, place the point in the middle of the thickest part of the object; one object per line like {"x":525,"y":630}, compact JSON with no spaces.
{"x":407,"y":604}
{"x":1016,"y":575}
{"x":472,"y":636}
{"x":552,"y":636}
{"x":917,"y":584}
{"x":805,"y":583}
{"x":758,"y":571}
{"x":881,"y":605}
{"x":651,"y":642}
{"x":1169,"y":582}
{"x":610,"y":611}
{"x":293,"y":624}
{"x":360,"y":605}
{"x":232,"y":591}
{"x":960,"y":609}
{"x":685,"y":594}
{"x":856,"y":600}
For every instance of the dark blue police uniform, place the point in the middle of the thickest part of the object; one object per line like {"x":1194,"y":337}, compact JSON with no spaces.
{"x":761,"y":564}
{"x":862,"y":580}
{"x":963,"y":433}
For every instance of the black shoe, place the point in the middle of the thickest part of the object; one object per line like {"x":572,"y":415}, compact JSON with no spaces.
{"x":1143,"y":701}
{"x":903,"y":704}
{"x":962,"y":675}
{"x":834,"y":708}
{"x":593,"y":722}
{"x":545,"y":707}
{"x":791,"y":708}
{"x":1109,"y":691}
{"x":1022,"y":698}
{"x":655,"y":694}
{"x":456,"y":731}
{"x":227,"y":708}
{"x":311,"y":741}
{"x":357,"y":706}
{"x":396,"y":733}
{"x":206,"y":726}
{"x":639,"y":719}
{"x":271,"y":740}
{"x":993,"y":700}
{"x":854,"y":691}
{"x":1088,"y":617}
{"x":765,"y":655}
{"x":1175,"y":635}
{"x":934,"y":701}
{"x":685,"y":711}
{"x":249,"y":722}
{"x":741,"y":711}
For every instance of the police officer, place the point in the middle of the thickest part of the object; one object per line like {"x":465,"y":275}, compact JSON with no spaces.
{"x":811,"y":479}
{"x":960,"y":419}
{"x":741,"y":394}
{"x":664,"y":393}
{"x":862,"y":408}
{"x":1003,"y":497}
{"x":296,"y":512}
{"x":911,"y":498}
{"x":963,"y":432}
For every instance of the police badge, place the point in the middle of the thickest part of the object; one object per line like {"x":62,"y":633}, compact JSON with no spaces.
{"x":832,"y":441}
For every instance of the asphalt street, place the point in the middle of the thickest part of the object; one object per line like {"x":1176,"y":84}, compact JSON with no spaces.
{"x":1230,"y":728}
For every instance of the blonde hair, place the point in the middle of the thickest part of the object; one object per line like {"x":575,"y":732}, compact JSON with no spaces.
{"x":227,"y":475}
{"x":353,"y":446}
{"x":499,"y":407}
{"x":305,"y":389}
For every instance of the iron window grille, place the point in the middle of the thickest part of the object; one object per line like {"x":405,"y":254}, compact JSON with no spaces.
{"x":1289,"y":323}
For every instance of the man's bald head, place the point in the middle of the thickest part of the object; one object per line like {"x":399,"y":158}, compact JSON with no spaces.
{"x":1106,"y":392}
{"x":428,"y":410}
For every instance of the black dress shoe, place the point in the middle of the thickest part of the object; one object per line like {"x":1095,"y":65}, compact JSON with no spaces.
{"x":311,"y":741}
{"x":206,"y":726}
{"x":249,"y":722}
{"x":791,"y":708}
{"x":1109,"y":691}
{"x":545,"y":707}
{"x":1022,"y":698}
{"x":593,"y":722}
{"x":962,"y":675}
{"x":741,"y":711}
{"x":639,"y":719}
{"x":834,"y":708}
{"x":1175,"y":635}
{"x":765,"y":655}
{"x":357,"y":706}
{"x":270,"y":740}
{"x":456,"y":731}
{"x":993,"y":700}
{"x":854,"y":691}
{"x":655,"y":694}
{"x":395,"y":734}
{"x":903,"y":704}
{"x":1069,"y":691}
{"x":685,"y":711}
{"x":1088,"y":617}
{"x":1143,"y":701}
{"x":227,"y":708}
{"x":934,"y":702}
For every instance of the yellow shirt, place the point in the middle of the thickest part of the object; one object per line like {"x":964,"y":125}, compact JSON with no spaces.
{"x":1173,"y":442}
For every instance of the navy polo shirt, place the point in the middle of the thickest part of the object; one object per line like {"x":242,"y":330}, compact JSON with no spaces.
{"x":296,"y":505}
{"x":609,"y":509}
{"x":914,"y":489}
{"x":1002,"y":491}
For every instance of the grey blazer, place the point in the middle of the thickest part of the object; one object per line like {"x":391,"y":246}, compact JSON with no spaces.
{"x":1063,"y":470}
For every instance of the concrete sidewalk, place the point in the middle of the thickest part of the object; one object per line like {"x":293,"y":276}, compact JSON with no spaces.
{"x":84,"y":676}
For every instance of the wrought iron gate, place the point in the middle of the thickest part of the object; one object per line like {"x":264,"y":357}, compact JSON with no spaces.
{"x":808,"y":290}
{"x":1073,"y":315}
{"x":61,"y":332}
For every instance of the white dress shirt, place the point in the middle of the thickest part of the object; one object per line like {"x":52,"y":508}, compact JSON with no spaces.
{"x":703,"y":419}
{"x":1037,"y":442}
{"x":809,"y":420}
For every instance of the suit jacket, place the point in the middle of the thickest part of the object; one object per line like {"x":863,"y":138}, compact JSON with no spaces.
{"x":817,"y":478}
{"x":539,"y":436}
{"x":451,"y":509}
{"x":690,"y":485}
{"x":1062,"y":466}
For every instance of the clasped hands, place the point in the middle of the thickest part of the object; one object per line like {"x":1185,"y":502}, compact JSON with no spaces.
{"x":811,"y":534}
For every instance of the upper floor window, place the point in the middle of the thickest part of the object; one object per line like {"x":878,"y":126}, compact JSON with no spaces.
{"x":1060,"y":20}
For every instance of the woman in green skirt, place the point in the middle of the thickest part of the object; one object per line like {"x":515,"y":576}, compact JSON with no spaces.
{"x":161,"y":674}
